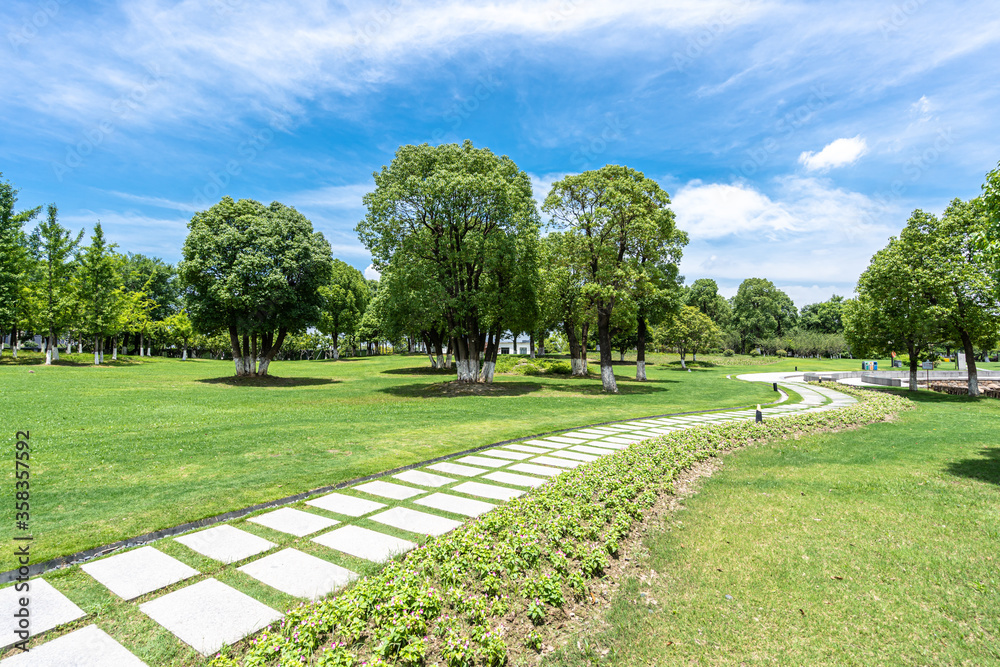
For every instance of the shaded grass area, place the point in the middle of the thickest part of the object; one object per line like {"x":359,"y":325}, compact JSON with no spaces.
{"x":877,"y":546}
{"x":147,"y":443}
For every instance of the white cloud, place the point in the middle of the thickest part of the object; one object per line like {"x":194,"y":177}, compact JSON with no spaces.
{"x":836,"y":154}
{"x":371,"y":273}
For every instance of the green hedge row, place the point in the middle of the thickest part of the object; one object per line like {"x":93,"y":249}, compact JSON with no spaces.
{"x":440,"y":603}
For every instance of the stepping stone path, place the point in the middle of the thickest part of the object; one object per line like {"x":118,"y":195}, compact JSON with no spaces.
{"x":209,"y":614}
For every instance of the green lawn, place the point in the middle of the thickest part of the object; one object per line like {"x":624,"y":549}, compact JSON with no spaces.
{"x":875,"y":546}
{"x":127,"y":448}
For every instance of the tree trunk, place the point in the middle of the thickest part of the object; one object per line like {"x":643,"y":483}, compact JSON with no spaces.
{"x":97,"y":351}
{"x":48,"y":350}
{"x":490,"y":358}
{"x":683,"y":352}
{"x":970,"y":361}
{"x":574,"y":348}
{"x":114,"y":349}
{"x":142,"y":342}
{"x":604,"y":340}
{"x":234,"y":344}
{"x":271,"y":347}
{"x":102,"y":349}
{"x":584,"y":331}
{"x":531,"y":345}
{"x":541,"y":344}
{"x":640,"y":348}
{"x":912,"y":349}
{"x":79,"y":344}
{"x":13,"y":342}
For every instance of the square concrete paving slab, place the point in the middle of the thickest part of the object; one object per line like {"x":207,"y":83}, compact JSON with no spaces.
{"x":563,"y":439}
{"x":416,"y":522}
{"x":590,"y":449}
{"x":338,"y":503}
{"x":487,"y":491}
{"x":363,"y":543}
{"x":575,"y":456}
{"x":86,"y":647}
{"x":454,"y":504}
{"x":138,"y":572}
{"x":621,"y":441}
{"x":294,"y":522}
{"x":600,"y":444}
{"x":551,"y":444}
{"x":389,"y":490}
{"x":542,"y":443}
{"x":554,"y":461}
{"x":599,"y":431}
{"x":455,"y":469}
{"x":532,"y":469}
{"x":299,"y":574}
{"x":528,"y":449}
{"x":483,"y":461}
{"x":504,"y":454}
{"x":48,"y":609}
{"x":226,"y":543}
{"x":209,"y":615}
{"x":421,"y":478}
{"x":514,"y":480}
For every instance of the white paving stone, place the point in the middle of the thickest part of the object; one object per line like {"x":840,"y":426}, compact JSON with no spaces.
{"x":532,"y":469}
{"x":621,"y":441}
{"x":514,"y":480}
{"x":455,"y":469}
{"x":226,"y":543}
{"x":553,"y":461}
{"x":504,"y":454}
{"x":388,"y":490}
{"x":454,"y":504}
{"x":589,"y":449}
{"x":487,"y":491}
{"x":294,"y":522}
{"x":416,"y":522}
{"x":209,"y":615}
{"x":556,"y":445}
{"x":529,"y":449}
{"x":541,"y":443}
{"x":575,"y":456}
{"x":483,"y":461}
{"x":600,"y":444}
{"x":300,"y":574}
{"x":421,"y":478}
{"x":134,"y":573}
{"x":338,"y":503}
{"x":86,"y":647}
{"x":363,"y":543}
{"x":48,"y":608}
{"x":565,"y":440}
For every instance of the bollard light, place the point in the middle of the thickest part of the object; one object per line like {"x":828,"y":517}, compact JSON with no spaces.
{"x":775,"y":385}
{"x":759,"y":416}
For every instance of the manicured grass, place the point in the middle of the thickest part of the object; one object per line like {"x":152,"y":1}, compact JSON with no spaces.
{"x":876,"y":546}
{"x":127,"y":448}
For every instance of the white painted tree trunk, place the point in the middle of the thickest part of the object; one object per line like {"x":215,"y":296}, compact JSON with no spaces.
{"x":974,"y":383}
{"x":608,"y":379}
{"x":440,"y":362}
{"x":79,"y":346}
{"x":336,"y":353}
{"x":114,"y":351}
{"x":262,"y":366}
{"x":640,"y":370}
{"x":48,"y":357}
{"x":913,"y":379}
{"x":149,"y":351}
{"x":434,"y":363}
{"x":238,"y":363}
{"x":468,"y":370}
{"x":97,"y":353}
{"x":447,"y":362}
{"x":488,"y":368}
{"x":55,"y":352}
{"x":184,"y":356}
{"x":621,"y":355}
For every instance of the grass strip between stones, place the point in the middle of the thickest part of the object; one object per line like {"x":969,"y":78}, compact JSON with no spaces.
{"x":483,"y":593}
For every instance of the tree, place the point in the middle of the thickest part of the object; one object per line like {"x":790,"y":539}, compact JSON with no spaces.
{"x":890,"y":312}
{"x":615,"y":217}
{"x":466,"y":220}
{"x":825,"y":317}
{"x":760,"y":311}
{"x":179,"y":329}
{"x":52,"y":248}
{"x":345,"y":299}
{"x":98,"y":287}
{"x":690,"y":330}
{"x":703,"y":294}
{"x":13,"y":263}
{"x":256,"y":272}
{"x":962,"y":291}
{"x":989,"y":239}
{"x":562,"y":301}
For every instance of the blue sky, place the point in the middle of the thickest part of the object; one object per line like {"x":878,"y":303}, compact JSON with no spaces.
{"x":793,"y":137}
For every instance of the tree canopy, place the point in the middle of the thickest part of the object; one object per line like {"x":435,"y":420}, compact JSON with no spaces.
{"x":761,"y":310}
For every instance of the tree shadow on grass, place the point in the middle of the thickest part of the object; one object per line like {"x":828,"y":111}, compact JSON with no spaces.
{"x":581,"y":386}
{"x":986,"y":468}
{"x":268,"y":381}
{"x":419,"y":370}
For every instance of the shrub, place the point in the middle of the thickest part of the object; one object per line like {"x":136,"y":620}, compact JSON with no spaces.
{"x":755,"y":352}
{"x":780,"y":353}
{"x":728,"y":353}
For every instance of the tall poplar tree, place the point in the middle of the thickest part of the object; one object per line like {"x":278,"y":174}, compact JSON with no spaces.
{"x":14,"y":263}
{"x":52,"y":248}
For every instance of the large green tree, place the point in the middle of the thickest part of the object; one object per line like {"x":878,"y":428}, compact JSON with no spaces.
{"x":760,"y":311}
{"x":14,"y":263}
{"x":53,"y":297}
{"x":614,"y":217}
{"x":891,"y":311}
{"x":824,"y":317}
{"x":690,"y":330}
{"x":563,"y":305}
{"x":989,"y":240}
{"x":345,"y":299}
{"x":98,"y":287}
{"x":703,"y":294}
{"x":466,"y":220}
{"x":254,"y":271}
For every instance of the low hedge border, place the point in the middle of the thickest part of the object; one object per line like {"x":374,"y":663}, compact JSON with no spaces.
{"x":441,"y":604}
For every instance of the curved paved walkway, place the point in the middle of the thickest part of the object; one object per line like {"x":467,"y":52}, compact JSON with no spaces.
{"x":372,"y":521}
